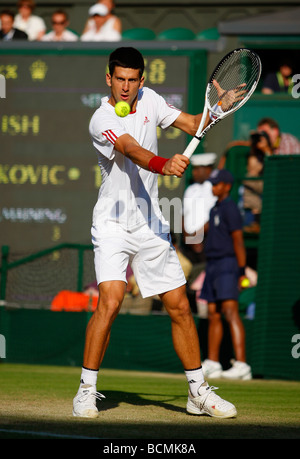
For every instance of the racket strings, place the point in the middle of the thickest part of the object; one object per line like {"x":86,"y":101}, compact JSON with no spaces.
{"x":235,"y":78}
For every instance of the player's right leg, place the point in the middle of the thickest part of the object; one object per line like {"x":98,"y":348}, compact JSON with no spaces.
{"x":111,"y":294}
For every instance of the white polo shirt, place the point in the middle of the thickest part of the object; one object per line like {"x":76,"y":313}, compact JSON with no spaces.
{"x":67,"y":35}
{"x":128,"y":195}
{"x":32,"y":26}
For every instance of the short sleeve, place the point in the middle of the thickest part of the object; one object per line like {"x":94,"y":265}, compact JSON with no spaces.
{"x":105,"y":130}
{"x":167,"y":114}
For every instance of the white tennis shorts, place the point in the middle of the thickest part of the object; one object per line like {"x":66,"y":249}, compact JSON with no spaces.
{"x":152,"y":257}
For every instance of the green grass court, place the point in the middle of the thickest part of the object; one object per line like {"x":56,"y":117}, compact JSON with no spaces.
{"x":36,"y":402}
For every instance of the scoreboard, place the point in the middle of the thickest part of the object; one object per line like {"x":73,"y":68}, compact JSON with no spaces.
{"x":49,"y":177}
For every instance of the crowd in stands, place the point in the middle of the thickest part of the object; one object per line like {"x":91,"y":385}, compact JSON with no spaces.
{"x":101,"y":24}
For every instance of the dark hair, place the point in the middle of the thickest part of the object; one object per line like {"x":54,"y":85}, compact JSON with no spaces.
{"x":29,"y":3}
{"x":64,"y":13}
{"x":287,"y":62}
{"x":129,"y":58}
{"x":7,"y":13}
{"x":272,"y":123}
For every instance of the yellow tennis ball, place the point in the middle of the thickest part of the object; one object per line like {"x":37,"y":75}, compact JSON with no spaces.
{"x":245,"y":283}
{"x":122,"y":109}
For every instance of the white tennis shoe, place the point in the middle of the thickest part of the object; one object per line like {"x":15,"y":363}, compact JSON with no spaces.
{"x":210,"y":403}
{"x":84,"y":403}
{"x":211,"y":369}
{"x":239,"y":370}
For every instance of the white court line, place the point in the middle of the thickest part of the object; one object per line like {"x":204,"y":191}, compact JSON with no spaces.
{"x":48,"y":434}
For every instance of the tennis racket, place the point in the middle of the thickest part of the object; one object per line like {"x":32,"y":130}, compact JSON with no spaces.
{"x":230,"y":86}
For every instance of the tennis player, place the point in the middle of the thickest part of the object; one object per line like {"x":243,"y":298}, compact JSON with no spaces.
{"x":128,"y":227}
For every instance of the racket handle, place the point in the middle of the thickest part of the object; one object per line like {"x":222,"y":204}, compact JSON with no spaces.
{"x":191,"y":147}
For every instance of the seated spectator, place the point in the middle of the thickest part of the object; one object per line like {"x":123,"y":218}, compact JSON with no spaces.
{"x":104,"y":25}
{"x":60,"y":22}
{"x":117,"y":24}
{"x":281,"y":142}
{"x":280,"y":81}
{"x":29,"y":23}
{"x":8,"y":32}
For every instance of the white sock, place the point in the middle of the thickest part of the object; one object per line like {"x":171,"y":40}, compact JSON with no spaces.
{"x":88,"y":376}
{"x":195,"y":379}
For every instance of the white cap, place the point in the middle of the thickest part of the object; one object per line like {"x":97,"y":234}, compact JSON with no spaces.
{"x":203,"y":159}
{"x":100,"y":10}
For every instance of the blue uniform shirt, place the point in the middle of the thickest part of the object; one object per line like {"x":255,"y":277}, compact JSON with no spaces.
{"x":224,"y":218}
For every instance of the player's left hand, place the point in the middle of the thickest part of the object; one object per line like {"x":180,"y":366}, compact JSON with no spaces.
{"x":176,"y":165}
{"x":228,"y":98}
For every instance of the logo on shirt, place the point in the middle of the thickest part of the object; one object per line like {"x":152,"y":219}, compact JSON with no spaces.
{"x":146,"y":120}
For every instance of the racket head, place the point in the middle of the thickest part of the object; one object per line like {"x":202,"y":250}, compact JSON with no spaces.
{"x":241,"y":68}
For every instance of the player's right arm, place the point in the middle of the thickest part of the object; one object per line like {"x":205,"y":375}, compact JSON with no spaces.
{"x":130,"y":148}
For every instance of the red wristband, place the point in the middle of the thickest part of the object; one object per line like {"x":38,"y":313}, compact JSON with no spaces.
{"x":156,"y":164}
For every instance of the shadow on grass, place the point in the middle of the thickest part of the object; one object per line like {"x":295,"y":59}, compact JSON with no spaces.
{"x":114,"y":398}
{"x":122,"y":418}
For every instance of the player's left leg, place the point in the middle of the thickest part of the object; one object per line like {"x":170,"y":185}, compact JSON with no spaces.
{"x":184,"y":331}
{"x":201,"y":397}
